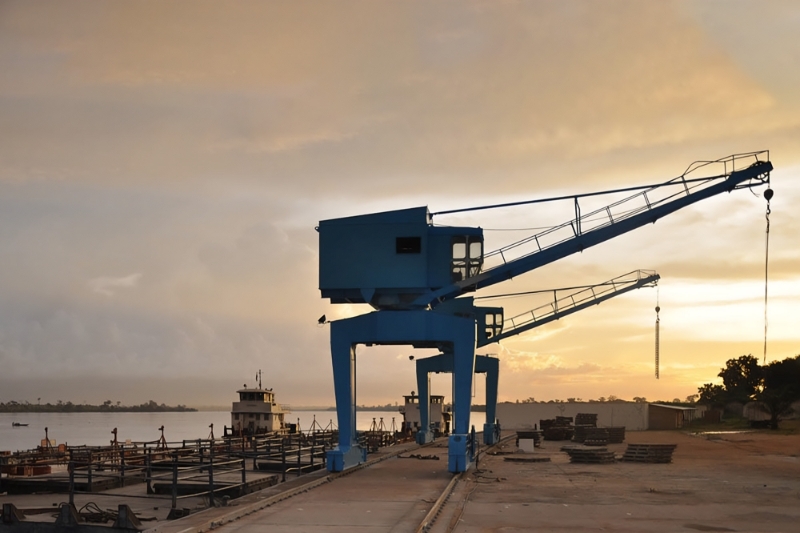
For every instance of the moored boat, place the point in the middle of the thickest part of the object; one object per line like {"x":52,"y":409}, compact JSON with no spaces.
{"x":440,"y":415}
{"x":257,"y":412}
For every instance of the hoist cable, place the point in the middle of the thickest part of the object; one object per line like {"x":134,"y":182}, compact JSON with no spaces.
{"x":614,"y":283}
{"x":658,"y":322}
{"x":680,"y":180}
{"x":768,"y":195}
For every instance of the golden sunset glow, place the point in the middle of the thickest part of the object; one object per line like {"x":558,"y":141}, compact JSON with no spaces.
{"x":163,"y":165}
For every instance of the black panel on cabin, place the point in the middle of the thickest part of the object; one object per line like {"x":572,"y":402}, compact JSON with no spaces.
{"x":409,"y":245}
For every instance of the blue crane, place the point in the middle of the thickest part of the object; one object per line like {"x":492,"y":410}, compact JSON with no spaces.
{"x":416,"y":275}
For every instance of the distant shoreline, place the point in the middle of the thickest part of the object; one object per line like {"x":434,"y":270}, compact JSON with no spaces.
{"x":153,"y":407}
{"x":363,"y":408}
{"x":107,"y":407}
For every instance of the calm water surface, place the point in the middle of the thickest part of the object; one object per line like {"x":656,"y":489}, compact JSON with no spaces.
{"x":94,"y":429}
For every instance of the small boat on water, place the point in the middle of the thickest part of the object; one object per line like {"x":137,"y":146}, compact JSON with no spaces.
{"x":257,"y":412}
{"x":18,"y":424}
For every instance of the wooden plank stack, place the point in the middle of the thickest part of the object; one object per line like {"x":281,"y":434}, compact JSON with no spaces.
{"x":580,"y":454}
{"x":580,"y":432}
{"x":586,"y":419}
{"x":649,"y":453}
{"x":535,"y":435}
{"x":559,"y":428}
{"x":616,"y":435}
{"x":516,"y":459}
{"x":584,"y":422}
{"x":596,"y":437}
{"x":558,"y":433}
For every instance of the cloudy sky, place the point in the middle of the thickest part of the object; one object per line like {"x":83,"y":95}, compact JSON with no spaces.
{"x":163,"y":165}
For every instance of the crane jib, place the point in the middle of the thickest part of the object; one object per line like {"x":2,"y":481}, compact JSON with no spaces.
{"x":536,"y":322}
{"x":581,"y":241}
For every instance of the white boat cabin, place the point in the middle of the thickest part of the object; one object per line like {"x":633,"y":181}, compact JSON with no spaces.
{"x":439,"y":415}
{"x":256,"y":412}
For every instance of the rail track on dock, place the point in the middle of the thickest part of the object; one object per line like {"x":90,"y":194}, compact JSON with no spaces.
{"x":201,"y":524}
{"x":444,"y":498}
{"x":443,"y":505}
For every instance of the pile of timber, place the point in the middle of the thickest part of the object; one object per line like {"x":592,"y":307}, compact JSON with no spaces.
{"x":558,"y":433}
{"x":579,"y":454}
{"x":580,"y":432}
{"x":616,"y":435}
{"x":528,"y":459}
{"x":558,"y":428}
{"x":596,"y":437}
{"x":649,"y":453}
{"x":586,"y":419}
{"x":584,"y":423}
{"x":533,"y":434}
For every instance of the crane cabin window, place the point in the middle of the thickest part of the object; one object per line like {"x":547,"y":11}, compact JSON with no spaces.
{"x":494,"y":324}
{"x":467,"y":256}
{"x":408,"y":245}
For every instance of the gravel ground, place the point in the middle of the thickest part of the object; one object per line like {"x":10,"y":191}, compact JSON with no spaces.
{"x":717,"y":482}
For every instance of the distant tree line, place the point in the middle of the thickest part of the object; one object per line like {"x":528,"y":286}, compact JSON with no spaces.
{"x":775,"y":386}
{"x":689,"y":400}
{"x":106,"y":407}
{"x":387,"y":407}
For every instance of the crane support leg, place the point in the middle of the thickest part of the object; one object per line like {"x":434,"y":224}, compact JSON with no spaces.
{"x":438,"y":363}
{"x":491,"y":366}
{"x":445,"y":363}
{"x":343,"y":354}
{"x":424,"y":369}
{"x":461,"y":448}
{"x":421,"y":329}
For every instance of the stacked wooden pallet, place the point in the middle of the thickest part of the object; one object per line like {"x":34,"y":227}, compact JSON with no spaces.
{"x":534,"y":435}
{"x":649,"y":453}
{"x":616,"y":435}
{"x":586,"y":419}
{"x":558,"y":433}
{"x":580,"y":432}
{"x":596,"y":437}
{"x":579,"y":454}
{"x":527,"y":459}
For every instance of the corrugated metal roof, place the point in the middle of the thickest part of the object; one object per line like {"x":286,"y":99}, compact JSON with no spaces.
{"x":673,"y":407}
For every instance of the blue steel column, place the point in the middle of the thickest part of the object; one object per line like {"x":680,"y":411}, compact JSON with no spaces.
{"x":483,"y":364}
{"x":424,"y":434}
{"x":463,"y":374}
{"x":490,"y":365}
{"x":343,"y":355}
{"x":437,"y":363}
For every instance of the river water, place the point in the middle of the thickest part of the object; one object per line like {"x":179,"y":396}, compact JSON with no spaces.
{"x":94,"y":429}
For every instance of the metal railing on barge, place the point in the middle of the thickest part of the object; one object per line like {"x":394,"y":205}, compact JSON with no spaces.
{"x":209,"y":468}
{"x":188,"y":468}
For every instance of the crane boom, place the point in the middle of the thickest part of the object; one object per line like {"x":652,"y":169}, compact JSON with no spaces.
{"x":573,"y":302}
{"x":646,"y":212}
